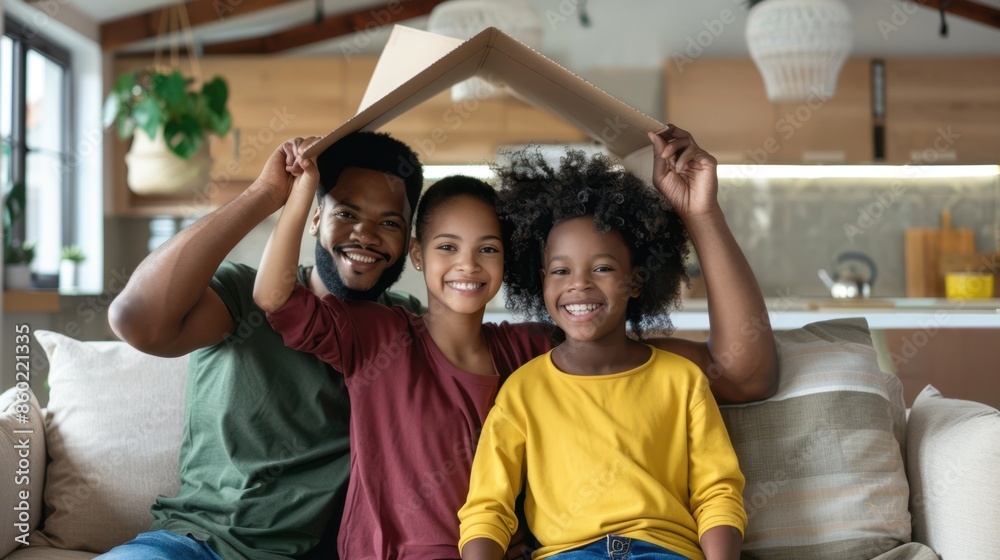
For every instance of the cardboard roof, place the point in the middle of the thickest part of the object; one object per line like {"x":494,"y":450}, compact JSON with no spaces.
{"x":416,"y":65}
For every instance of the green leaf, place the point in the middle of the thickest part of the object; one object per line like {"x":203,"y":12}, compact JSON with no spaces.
{"x":147,"y":116}
{"x":183,"y":136}
{"x":13,"y":212}
{"x":112,"y":108}
{"x":124,"y":84}
{"x":72,"y":253}
{"x":172,"y":90}
{"x":15,"y":200}
{"x":119,"y":104}
{"x":215,"y":93}
{"x":220,"y":125}
{"x":126,"y":127}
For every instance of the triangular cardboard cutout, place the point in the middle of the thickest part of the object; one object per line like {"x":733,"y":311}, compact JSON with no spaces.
{"x":416,"y":65}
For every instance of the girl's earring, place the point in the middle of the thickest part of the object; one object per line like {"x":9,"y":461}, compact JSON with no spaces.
{"x":416,"y":267}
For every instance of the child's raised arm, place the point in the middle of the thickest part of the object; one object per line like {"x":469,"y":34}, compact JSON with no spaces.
{"x":279,"y":263}
{"x":739,"y":359}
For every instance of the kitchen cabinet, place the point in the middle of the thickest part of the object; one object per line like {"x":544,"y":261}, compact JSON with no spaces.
{"x":275,"y":98}
{"x":941,"y":110}
{"x":961,"y":363}
{"x":724,"y":104}
{"x":937,"y":110}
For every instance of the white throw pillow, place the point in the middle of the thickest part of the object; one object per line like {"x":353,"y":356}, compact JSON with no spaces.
{"x":22,"y":457}
{"x":113,"y":431}
{"x":952,"y":460}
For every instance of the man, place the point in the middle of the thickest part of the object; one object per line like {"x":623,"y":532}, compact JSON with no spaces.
{"x":265,"y":445}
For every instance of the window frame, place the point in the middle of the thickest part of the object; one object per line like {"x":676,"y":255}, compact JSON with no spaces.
{"x":25,"y":38}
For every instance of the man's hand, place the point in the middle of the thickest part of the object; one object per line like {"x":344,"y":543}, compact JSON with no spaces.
{"x":167,"y":308}
{"x":282,"y":168}
{"x":684,"y":173}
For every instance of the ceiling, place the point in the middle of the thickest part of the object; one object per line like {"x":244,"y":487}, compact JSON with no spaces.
{"x":622,"y":33}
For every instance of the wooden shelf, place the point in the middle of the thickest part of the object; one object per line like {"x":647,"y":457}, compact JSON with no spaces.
{"x":30,"y":301}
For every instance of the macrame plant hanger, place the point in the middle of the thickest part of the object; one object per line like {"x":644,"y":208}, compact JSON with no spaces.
{"x":152,"y":168}
{"x":175,"y":27}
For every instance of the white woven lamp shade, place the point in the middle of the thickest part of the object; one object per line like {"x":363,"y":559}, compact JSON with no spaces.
{"x":799,"y":46}
{"x":463,"y":19}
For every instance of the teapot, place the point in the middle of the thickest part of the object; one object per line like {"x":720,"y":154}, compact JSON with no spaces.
{"x":853,"y":276}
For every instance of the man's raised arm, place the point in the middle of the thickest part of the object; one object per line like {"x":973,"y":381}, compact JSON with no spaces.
{"x":167,"y":308}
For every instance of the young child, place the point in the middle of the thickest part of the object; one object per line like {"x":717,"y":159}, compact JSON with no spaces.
{"x":420,"y":385}
{"x":620,"y":446}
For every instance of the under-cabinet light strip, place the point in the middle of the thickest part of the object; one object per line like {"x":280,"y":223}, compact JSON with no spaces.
{"x":435,"y":172}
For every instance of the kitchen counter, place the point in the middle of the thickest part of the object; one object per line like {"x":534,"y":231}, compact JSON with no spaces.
{"x":881,"y":313}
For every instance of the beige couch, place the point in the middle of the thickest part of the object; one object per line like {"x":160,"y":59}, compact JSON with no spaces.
{"x":824,"y":458}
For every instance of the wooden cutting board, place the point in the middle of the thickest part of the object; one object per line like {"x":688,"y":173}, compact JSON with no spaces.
{"x":924,"y":248}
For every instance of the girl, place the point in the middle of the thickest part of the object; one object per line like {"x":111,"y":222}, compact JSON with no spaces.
{"x":619,"y":445}
{"x":420,"y":385}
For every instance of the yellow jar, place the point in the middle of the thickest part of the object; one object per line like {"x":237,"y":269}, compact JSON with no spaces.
{"x":968,"y":285}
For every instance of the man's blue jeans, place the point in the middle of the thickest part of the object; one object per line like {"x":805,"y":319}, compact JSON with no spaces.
{"x":161,"y":545}
{"x":613,"y":547}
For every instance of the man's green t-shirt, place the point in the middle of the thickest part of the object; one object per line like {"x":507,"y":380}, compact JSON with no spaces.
{"x":265,"y":443}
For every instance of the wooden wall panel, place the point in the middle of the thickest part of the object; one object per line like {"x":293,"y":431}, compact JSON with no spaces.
{"x":961,"y":363}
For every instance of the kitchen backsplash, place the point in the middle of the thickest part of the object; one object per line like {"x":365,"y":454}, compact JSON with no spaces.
{"x":790,"y":228}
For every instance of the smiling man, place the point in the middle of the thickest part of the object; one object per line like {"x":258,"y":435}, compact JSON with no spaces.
{"x":264,"y":455}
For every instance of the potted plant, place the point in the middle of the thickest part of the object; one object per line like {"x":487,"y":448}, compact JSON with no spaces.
{"x":17,"y":266}
{"x":69,"y":267}
{"x":168,"y":121}
{"x":17,"y":257}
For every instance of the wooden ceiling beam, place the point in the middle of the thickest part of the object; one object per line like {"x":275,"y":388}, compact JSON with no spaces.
{"x":967,"y":9}
{"x":329,"y":28}
{"x":130,"y":29}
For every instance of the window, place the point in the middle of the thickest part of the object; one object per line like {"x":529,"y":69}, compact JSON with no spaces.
{"x":35,"y":133}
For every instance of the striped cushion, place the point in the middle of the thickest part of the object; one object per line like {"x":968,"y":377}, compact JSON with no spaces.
{"x":823,"y":457}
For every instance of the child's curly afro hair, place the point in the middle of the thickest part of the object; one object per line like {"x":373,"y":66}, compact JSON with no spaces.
{"x":534,"y":197}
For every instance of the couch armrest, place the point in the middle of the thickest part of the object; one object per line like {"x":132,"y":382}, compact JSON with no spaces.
{"x":953,"y":449}
{"x":22,"y":459}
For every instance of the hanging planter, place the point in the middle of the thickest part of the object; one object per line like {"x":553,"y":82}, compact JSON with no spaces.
{"x":155,"y":169}
{"x":799,"y":46}
{"x":168,"y":124}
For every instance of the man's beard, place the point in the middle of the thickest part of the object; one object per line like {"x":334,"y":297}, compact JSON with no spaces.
{"x":329,"y":274}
